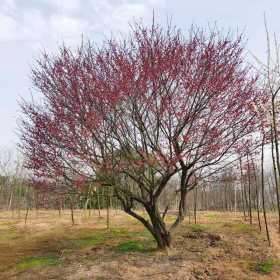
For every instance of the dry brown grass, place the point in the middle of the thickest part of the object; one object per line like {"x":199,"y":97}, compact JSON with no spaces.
{"x":220,"y":247}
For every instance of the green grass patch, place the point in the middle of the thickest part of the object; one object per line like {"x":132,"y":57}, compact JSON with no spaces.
{"x":130,"y":246}
{"x":142,"y":234}
{"x":101,"y":237}
{"x":197,"y":228}
{"x":119,"y":232}
{"x":122,"y":233}
{"x":243,"y":228}
{"x":133,"y":246}
{"x":239,"y":228}
{"x":94,"y":239}
{"x":211,"y":216}
{"x":265,"y":266}
{"x":32,"y":262}
{"x":6,"y":235}
{"x":104,"y":237}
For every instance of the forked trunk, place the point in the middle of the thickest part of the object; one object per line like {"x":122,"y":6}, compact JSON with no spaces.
{"x":163,"y":240}
{"x":155,"y":226}
{"x":159,"y":230}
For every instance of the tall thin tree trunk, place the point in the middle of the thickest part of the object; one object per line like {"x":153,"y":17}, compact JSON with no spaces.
{"x":98,"y":205}
{"x":275,"y":178}
{"x":72,"y":211}
{"x":271,"y":196}
{"x":11,"y":199}
{"x":244,"y":197}
{"x":257,"y":194}
{"x":249,"y":190}
{"x":26,"y":215}
{"x":235,"y":201}
{"x":27,"y":206}
{"x":195,"y":204}
{"x":263,"y":198}
{"x":108,"y":208}
{"x":243,"y":202}
{"x":189,"y":212}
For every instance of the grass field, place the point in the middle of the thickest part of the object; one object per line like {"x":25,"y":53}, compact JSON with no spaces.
{"x":219,"y":247}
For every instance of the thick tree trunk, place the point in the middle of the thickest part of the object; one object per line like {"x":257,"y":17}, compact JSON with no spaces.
{"x":163,"y":240}
{"x":159,"y":230}
{"x":155,"y":226}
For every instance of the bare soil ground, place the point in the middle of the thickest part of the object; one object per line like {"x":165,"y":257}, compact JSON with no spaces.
{"x":220,"y":247}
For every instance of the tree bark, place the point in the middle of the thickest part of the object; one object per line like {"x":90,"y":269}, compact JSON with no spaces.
{"x":195,"y":204}
{"x":249,"y":190}
{"x":98,"y":205}
{"x":243,"y":190}
{"x":108,"y":209}
{"x":257,"y":195}
{"x":72,"y":211}
{"x":275,"y":178}
{"x":263,"y":198}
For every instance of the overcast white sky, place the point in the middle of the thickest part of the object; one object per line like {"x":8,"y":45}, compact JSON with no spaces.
{"x":28,"y":26}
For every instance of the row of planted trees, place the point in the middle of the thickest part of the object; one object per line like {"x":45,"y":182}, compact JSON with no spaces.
{"x":236,"y":189}
{"x":227,"y":192}
{"x":143,"y":111}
